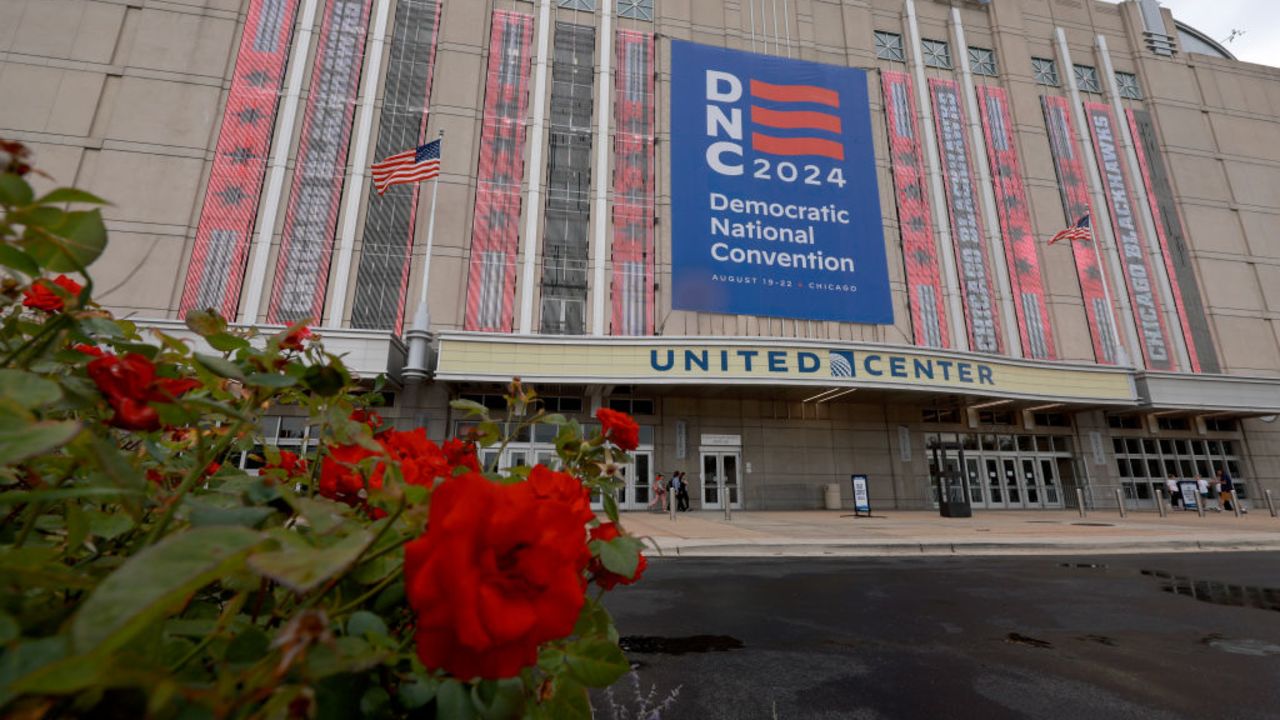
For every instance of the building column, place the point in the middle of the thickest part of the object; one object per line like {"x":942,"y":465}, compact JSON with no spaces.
{"x":537,"y":139}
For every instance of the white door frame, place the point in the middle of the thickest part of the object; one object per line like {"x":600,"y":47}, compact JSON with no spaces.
{"x":719,"y":452}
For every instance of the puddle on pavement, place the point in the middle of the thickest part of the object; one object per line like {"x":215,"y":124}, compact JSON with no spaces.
{"x":1100,"y":639}
{"x":1218,"y":593}
{"x":1020,"y":639}
{"x":652,"y":644}
{"x":1093,"y":524}
{"x":1239,"y":646}
{"x":1084,"y":566}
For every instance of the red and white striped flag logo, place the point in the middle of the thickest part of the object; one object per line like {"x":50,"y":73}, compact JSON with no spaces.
{"x":411,"y":166}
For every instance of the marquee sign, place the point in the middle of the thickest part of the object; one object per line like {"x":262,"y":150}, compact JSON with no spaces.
{"x":775,"y":206}
{"x":748,"y":361}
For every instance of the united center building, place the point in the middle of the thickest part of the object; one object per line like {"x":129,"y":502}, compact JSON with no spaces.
{"x":798,"y":239}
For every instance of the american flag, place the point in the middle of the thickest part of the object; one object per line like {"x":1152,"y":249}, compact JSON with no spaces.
{"x":410,"y":166}
{"x":1079,"y":231}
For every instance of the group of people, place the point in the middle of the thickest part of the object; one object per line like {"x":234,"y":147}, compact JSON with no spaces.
{"x":674,"y":491}
{"x":1222,"y":487}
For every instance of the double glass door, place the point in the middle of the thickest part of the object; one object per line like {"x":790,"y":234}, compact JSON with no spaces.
{"x":637,"y":476}
{"x":1015,"y":482}
{"x":721,"y":480}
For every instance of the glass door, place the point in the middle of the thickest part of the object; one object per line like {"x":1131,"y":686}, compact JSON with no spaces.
{"x":973,"y":472}
{"x":1031,"y":489}
{"x":1012,"y":495}
{"x":995,"y":489}
{"x":720,"y":480}
{"x":637,"y":494}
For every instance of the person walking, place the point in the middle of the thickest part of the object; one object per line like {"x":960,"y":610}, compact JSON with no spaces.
{"x":1226,"y":488}
{"x":1175,"y":495}
{"x":683,"y":496}
{"x":659,"y":500}
{"x":1202,"y":487}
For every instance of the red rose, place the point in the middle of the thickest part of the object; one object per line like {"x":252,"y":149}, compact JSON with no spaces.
{"x":290,"y":464}
{"x":367,"y":417}
{"x":550,"y":486}
{"x":498,"y":572}
{"x":619,"y":428}
{"x":40,"y":295}
{"x":90,"y":350}
{"x":130,"y":385}
{"x":421,"y":461}
{"x":341,"y":480}
{"x":294,"y":339}
{"x":601,"y":575}
{"x":460,"y":453}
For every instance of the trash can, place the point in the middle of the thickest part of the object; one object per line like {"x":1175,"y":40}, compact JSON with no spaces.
{"x":832,"y":496}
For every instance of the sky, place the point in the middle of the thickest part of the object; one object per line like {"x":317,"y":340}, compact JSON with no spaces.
{"x":1259,"y":19}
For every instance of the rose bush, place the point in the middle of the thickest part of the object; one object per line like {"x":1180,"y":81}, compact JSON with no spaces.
{"x":371,"y":572}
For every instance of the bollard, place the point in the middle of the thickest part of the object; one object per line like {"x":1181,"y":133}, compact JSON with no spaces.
{"x":1271,"y":506}
{"x":672,"y":504}
{"x":1160,"y":502}
{"x":728,"y":512}
{"x":1120,"y":501}
{"x":1200,"y":503}
{"x":1080,"y":502}
{"x":1235,"y":503}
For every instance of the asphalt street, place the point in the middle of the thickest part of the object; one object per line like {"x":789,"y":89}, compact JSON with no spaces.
{"x":1156,"y":636}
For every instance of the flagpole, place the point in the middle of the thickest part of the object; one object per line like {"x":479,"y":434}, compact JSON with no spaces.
{"x":419,"y":335}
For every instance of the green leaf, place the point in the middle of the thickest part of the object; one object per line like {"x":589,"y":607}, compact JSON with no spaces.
{"x":323,"y":380}
{"x":454,"y":702}
{"x":499,"y":699}
{"x":9,"y":628}
{"x":71,"y":244}
{"x":77,"y":525}
{"x":53,"y":494}
{"x":321,"y":515}
{"x":27,"y":390}
{"x":248,"y":646}
{"x":15,"y":258}
{"x":470,"y":407}
{"x":223,"y":342}
{"x":271,"y":380}
{"x":71,"y":195}
{"x":221,"y":367}
{"x":109,"y":527}
{"x":417,"y":692}
{"x":99,"y":326}
{"x":363,"y":624}
{"x":21,"y":438}
{"x":206,"y":322}
{"x":157,"y":582}
{"x":14,"y":190}
{"x":555,"y":419}
{"x":39,"y":567}
{"x":620,"y":555}
{"x":568,"y":703}
{"x":374,"y":701}
{"x":207,"y":514}
{"x":611,"y":506}
{"x":26,"y":658}
{"x":302,"y":568}
{"x":596,"y":662}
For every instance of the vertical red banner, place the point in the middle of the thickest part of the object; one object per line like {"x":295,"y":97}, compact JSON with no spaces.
{"x":216,"y":271}
{"x":1075,"y":204}
{"x":919,"y":248}
{"x":1184,"y":320}
{"x":306,"y":241}
{"x":976,"y":277}
{"x":633,"y":185}
{"x":495,"y":234}
{"x":1021,"y":253}
{"x":1140,"y":278}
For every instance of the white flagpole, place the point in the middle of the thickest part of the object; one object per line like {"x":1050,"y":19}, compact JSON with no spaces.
{"x":419,"y":335}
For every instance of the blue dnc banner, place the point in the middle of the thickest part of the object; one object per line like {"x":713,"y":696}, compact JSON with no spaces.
{"x":776,"y":210}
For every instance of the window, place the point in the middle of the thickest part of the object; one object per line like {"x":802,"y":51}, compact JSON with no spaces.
{"x":1087,"y":79}
{"x":1045,"y":71}
{"x":490,"y":401}
{"x":1128,"y":84}
{"x":1173,"y":423}
{"x":936,"y":54}
{"x":561,"y":404}
{"x":1052,"y":420}
{"x":995,"y":417}
{"x":889,"y":46}
{"x":941,"y":415}
{"x":1220,"y":425}
{"x":577,"y":4}
{"x":1125,"y":422}
{"x":982,"y":61}
{"x":636,"y":9}
{"x":632,"y":406}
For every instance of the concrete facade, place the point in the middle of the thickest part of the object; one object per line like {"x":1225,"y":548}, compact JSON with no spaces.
{"x":126,"y":98}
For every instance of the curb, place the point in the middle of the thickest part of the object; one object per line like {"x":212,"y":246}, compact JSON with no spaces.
{"x":829,"y":549}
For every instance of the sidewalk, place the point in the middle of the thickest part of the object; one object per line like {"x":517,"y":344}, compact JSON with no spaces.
{"x":818,"y":533}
